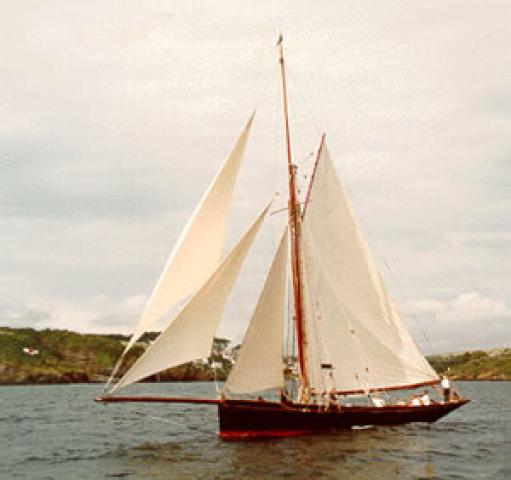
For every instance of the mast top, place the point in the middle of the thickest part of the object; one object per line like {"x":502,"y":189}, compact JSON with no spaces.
{"x":280,"y":39}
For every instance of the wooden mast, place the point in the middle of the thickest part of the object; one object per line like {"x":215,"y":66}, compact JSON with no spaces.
{"x":294,"y":216}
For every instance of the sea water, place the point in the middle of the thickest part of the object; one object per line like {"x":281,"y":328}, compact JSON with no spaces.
{"x":59,"y":432}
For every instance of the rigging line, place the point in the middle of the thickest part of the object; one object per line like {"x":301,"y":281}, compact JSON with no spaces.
{"x":393,"y":278}
{"x":291,"y":339}
{"x":304,"y":165}
{"x":412,"y":315}
{"x":263,"y":91}
{"x":317,"y":344}
{"x":159,"y":419}
{"x":289,"y":317}
{"x":301,"y":180}
{"x":301,"y":98}
{"x":303,"y":159}
{"x":356,"y":341}
{"x":320,"y":344}
{"x":292,"y":360}
{"x":288,"y":326}
{"x":400,"y":291}
{"x":284,"y":209}
{"x":167,"y":420}
{"x":258,"y":55}
{"x":291,"y":326}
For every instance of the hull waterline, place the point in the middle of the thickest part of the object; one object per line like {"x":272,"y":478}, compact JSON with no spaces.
{"x":241,"y":419}
{"x":256,"y":419}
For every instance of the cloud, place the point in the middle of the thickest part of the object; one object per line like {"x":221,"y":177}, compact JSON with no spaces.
{"x":465,"y":306}
{"x":22,"y":316}
{"x":97,"y":314}
{"x":104,"y":314}
{"x":468,"y":320}
{"x":114,"y":120}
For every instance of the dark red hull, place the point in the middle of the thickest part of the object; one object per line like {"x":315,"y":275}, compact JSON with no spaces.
{"x":246,"y":418}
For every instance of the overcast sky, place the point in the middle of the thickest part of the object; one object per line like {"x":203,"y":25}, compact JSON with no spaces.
{"x":114,"y":117}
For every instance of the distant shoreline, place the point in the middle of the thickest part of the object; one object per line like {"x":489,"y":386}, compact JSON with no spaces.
{"x":58,"y":384}
{"x":60,"y":357}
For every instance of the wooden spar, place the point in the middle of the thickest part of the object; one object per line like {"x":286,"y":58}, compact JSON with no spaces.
{"x":155,"y":399}
{"x":212,"y":401}
{"x":294,"y":229}
{"x":318,"y":154}
{"x":385,"y":389}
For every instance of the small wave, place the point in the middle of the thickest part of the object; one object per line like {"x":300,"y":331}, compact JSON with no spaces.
{"x":118,"y":474}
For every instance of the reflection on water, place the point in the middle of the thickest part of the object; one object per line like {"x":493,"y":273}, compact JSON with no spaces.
{"x":58,"y":432}
{"x":376,"y":454}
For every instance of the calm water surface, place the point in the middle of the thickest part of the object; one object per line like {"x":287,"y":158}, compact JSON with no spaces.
{"x":58,"y":432}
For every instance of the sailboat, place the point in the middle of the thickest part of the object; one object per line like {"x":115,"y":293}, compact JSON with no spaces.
{"x":351,"y":341}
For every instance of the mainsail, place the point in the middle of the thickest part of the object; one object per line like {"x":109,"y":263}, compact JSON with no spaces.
{"x":351,"y":323}
{"x":198,"y":251}
{"x":259,"y":363}
{"x":190,"y":334}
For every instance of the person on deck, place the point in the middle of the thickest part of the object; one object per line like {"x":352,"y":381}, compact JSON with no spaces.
{"x":284,"y":397}
{"x":330,"y":394}
{"x":425,"y":398}
{"x":446,"y":388}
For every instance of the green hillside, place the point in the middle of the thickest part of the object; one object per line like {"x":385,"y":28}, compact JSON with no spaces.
{"x":476,"y":365}
{"x":69,"y":357}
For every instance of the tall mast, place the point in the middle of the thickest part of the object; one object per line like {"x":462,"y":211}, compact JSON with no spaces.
{"x":294,"y":216}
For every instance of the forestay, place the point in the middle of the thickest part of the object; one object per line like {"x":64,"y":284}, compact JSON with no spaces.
{"x":351,"y":322}
{"x":190,"y":335}
{"x":259,"y":364}
{"x":199,"y":249}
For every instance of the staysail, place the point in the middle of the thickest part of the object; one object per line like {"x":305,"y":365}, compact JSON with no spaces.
{"x":351,"y":323}
{"x":259,"y":363}
{"x":190,"y":334}
{"x":198,"y":251}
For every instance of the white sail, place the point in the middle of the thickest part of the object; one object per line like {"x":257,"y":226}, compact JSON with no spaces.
{"x":190,"y":335}
{"x":198,"y":251}
{"x":350,"y":320}
{"x":259,"y":363}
